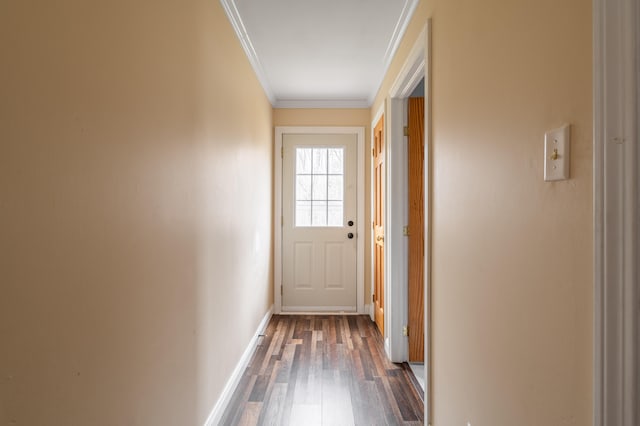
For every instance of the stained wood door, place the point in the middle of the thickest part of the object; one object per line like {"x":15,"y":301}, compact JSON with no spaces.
{"x":319,"y":248}
{"x":416,"y":228}
{"x":378,"y":224}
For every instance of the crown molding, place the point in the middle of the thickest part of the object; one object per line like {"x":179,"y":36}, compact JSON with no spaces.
{"x":394,"y":43}
{"x":322,"y":103}
{"x":236,"y":22}
{"x":398,"y":31}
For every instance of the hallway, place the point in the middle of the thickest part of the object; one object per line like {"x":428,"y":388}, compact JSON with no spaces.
{"x":323,"y":370}
{"x":139,"y":214}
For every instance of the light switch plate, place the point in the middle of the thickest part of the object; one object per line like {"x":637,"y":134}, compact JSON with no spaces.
{"x":556,"y":153}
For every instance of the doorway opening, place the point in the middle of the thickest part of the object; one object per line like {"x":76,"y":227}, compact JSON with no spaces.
{"x":415,"y":70}
{"x":415,"y":230}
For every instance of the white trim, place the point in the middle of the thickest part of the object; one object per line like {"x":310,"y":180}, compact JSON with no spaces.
{"x":324,"y":313}
{"x":277,"y":222}
{"x":396,"y":271}
{"x":319,"y":103}
{"x":428,"y":369}
{"x":413,"y":69}
{"x":277,"y":218}
{"x":394,"y":42}
{"x":379,"y":114}
{"x":398,"y":32}
{"x":361,"y":225}
{"x":416,"y":67}
{"x":225,"y":397}
{"x":231,"y":10}
{"x":616,"y":194}
{"x":323,"y":309}
{"x":376,"y":117}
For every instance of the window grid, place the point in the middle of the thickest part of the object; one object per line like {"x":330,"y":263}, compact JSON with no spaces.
{"x":320,"y":197}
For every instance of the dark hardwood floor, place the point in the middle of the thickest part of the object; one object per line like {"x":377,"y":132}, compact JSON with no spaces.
{"x":323,"y":370}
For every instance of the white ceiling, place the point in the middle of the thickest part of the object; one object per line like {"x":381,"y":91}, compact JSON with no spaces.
{"x":322,"y":53}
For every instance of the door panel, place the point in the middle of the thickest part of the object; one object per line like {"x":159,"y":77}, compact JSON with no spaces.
{"x":302,"y":264}
{"x":319,"y":201}
{"x":378,"y":224}
{"x":416,"y":228}
{"x":334,"y":267}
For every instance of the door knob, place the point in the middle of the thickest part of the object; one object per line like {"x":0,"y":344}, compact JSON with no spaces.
{"x":379,"y":238}
{"x":350,"y":235}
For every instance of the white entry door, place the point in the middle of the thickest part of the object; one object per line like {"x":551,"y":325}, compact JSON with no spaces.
{"x":319,"y":249}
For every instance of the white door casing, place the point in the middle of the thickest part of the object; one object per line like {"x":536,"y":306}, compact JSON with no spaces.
{"x":318,"y":227}
{"x":280,"y":133}
{"x":616,"y":195}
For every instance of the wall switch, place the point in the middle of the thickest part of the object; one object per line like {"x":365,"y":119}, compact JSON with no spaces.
{"x":556,"y":153}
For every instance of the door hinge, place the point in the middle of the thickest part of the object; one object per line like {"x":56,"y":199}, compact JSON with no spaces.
{"x":373,"y":224}
{"x":373,"y":152}
{"x":373,"y":298}
{"x":405,"y":330}
{"x":406,"y":130}
{"x":281,"y":291}
{"x":405,"y":231}
{"x":282,"y":152}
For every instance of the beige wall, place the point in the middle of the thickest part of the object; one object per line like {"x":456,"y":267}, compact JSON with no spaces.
{"x":357,"y":117}
{"x":512,"y":255}
{"x":135,"y":210}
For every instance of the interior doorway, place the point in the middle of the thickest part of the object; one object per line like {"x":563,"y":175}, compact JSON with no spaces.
{"x":415,"y":230}
{"x":415,"y":69}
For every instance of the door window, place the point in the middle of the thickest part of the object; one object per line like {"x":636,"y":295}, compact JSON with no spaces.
{"x":319,"y":188}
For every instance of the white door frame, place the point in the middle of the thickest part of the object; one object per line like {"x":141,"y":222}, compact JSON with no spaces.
{"x":616,"y":194}
{"x":416,"y":67}
{"x":277,"y":218}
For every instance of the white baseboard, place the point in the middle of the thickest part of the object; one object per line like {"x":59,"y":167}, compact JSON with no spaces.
{"x":325,"y":313}
{"x":221,"y":405}
{"x":368,"y":310}
{"x":325,"y":309}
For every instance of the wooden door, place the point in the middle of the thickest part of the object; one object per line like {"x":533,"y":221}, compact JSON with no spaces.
{"x":416,"y":228}
{"x":319,"y":248}
{"x":378,"y":223}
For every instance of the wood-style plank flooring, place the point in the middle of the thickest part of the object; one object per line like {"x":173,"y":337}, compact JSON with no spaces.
{"x":323,"y":370}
